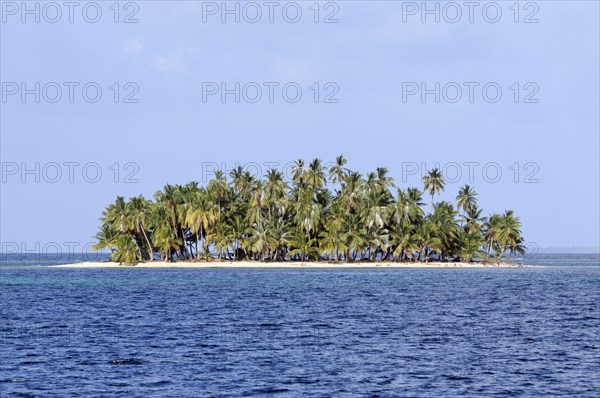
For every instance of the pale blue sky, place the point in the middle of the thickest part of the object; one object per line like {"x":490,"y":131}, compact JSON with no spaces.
{"x":368,"y":54}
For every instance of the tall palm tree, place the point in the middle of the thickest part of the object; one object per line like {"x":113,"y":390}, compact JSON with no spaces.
{"x":200,"y":218}
{"x":168,"y":196}
{"x":466,"y":200}
{"x":352,"y":191}
{"x":237,"y":178}
{"x":316,"y":175}
{"x":308,"y":213}
{"x":471,"y":242}
{"x":222,"y":239}
{"x":127,"y":250}
{"x":491,"y":232}
{"x":407,"y":206}
{"x":137,"y":212}
{"x":403,"y":240}
{"x":353,"y":236}
{"x":167,"y":242}
{"x":427,"y":241}
{"x":337,"y":172}
{"x":473,"y":220}
{"x":509,"y":233}
{"x":378,"y":241}
{"x":217,"y":189}
{"x":330,"y":242}
{"x":116,"y":215}
{"x":434,"y":182}
{"x":304,"y":246}
{"x":106,"y":238}
{"x":298,"y":172}
{"x":282,"y":233}
{"x":376,"y":209}
{"x":275,"y":190}
{"x":445,"y":227}
{"x":262,"y":241}
{"x":384,"y":183}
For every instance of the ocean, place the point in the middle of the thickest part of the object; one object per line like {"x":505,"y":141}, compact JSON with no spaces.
{"x":530,"y":332}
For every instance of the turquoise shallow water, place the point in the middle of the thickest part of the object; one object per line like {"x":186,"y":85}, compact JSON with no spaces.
{"x":311,"y":332}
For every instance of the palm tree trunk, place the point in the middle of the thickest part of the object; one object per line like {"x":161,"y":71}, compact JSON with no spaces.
{"x":137,"y":245}
{"x":150,"y":251}
{"x":201,"y":240}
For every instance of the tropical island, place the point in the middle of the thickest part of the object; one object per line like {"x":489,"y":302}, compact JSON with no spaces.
{"x":329,"y":215}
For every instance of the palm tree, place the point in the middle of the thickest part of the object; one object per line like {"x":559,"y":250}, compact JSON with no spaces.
{"x":403,"y":240}
{"x":473,"y":220}
{"x":377,"y":209}
{"x":466,"y":200}
{"x":445,"y":227}
{"x":265,"y":219}
{"x":353,"y":236}
{"x":239,"y":231}
{"x":298,"y":171}
{"x":337,"y":173}
{"x":330,"y":243}
{"x":200,"y":218}
{"x":167,"y":242}
{"x":352,"y":191}
{"x":491,"y":232}
{"x":237,"y":178}
{"x":316,"y":175}
{"x":434,"y":183}
{"x":471,"y":242}
{"x":407,"y":206}
{"x":127,"y":250}
{"x":378,"y":240}
{"x":116,"y":215}
{"x":262,"y":241}
{"x":137,"y":212}
{"x":106,"y":238}
{"x":509,"y":233}
{"x":282,"y":233}
{"x":222,"y":238}
{"x":308,"y":213}
{"x":275,"y":190}
{"x":302,"y":245}
{"x":426,"y":240}
{"x":384,"y":183}
{"x":168,"y":197}
{"x":217,"y":189}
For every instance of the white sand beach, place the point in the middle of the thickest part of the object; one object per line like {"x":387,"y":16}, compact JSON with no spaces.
{"x":297,"y":264}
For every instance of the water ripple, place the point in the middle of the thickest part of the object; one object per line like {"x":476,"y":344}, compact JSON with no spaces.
{"x":409,"y":333}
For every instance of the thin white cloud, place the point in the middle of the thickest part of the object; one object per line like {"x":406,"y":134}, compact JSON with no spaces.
{"x":289,"y":69}
{"x":135,"y":46}
{"x":174,"y":61}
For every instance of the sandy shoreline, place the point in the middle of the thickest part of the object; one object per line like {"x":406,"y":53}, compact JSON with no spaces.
{"x":307,"y":264}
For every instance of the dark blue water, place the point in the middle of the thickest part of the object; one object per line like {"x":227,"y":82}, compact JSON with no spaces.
{"x":359,"y":332}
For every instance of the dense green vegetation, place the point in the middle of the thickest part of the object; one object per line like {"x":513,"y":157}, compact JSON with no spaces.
{"x":269,"y":220}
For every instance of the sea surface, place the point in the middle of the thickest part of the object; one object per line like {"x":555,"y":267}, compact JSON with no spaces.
{"x":529,"y":332}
